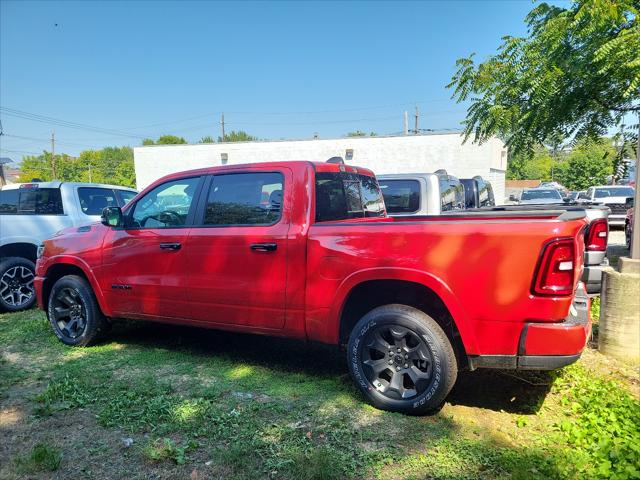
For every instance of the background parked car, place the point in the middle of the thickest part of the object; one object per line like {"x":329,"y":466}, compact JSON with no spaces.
{"x":539,"y":196}
{"x":478,"y":192}
{"x":628,"y":223}
{"x":33,"y":212}
{"x":421,"y":193}
{"x":613,"y":196}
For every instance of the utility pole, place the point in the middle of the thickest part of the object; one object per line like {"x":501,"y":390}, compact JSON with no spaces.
{"x":406,"y":123}
{"x":415,"y":130}
{"x":222,"y":123}
{"x":53,"y":154}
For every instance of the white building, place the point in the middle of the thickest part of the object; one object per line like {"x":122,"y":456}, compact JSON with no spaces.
{"x":383,"y":154}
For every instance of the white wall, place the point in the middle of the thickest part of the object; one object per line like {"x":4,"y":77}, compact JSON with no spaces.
{"x":398,"y":154}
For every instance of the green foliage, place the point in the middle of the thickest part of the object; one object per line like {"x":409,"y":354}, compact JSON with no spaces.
{"x":43,"y":458}
{"x":588,"y":164}
{"x":239,"y":136}
{"x":112,"y":165}
{"x":167,"y":449}
{"x":574,"y":74}
{"x":165,"y":140}
{"x":600,"y":427}
{"x":207,"y":139}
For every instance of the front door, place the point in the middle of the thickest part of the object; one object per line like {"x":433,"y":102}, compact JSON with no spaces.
{"x":145,"y":268}
{"x":237,"y":250}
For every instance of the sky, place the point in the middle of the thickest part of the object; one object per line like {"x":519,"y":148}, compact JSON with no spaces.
{"x":117,"y":72}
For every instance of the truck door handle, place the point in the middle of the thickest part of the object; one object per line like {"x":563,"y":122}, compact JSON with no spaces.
{"x":264,"y":247}
{"x":170,"y":246}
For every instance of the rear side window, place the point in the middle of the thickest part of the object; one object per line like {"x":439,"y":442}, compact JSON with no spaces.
{"x":245,"y":199}
{"x":451,"y":194}
{"x":486,"y":194}
{"x":401,"y":196}
{"x":340,"y":196}
{"x":125,"y":196}
{"x":40,"y":201}
{"x":93,"y":200}
{"x":9,"y":201}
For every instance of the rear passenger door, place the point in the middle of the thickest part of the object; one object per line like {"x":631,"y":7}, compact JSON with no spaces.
{"x":237,"y":250}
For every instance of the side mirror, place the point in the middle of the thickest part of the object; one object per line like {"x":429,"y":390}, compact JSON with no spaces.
{"x":629,"y":202}
{"x":567,"y":200}
{"x":112,"y":217}
{"x":513,"y":198}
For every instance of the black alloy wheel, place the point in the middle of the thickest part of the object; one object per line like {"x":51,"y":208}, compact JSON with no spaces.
{"x":397,"y":362}
{"x":69,"y":312}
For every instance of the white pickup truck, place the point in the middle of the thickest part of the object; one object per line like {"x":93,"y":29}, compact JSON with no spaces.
{"x":33,"y":212}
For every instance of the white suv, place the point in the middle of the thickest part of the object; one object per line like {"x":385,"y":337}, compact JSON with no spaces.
{"x":31,"y":213}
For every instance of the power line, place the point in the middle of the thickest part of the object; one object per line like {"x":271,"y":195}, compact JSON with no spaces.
{"x":64,"y":123}
{"x":20,"y":151}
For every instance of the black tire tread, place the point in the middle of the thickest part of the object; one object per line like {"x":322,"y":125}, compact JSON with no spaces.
{"x":451,"y":365}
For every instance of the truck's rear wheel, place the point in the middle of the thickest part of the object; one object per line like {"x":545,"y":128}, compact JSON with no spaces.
{"x":16,"y":284}
{"x":74,"y":312}
{"x":401,"y":360}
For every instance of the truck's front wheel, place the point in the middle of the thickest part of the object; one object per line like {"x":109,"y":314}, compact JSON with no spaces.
{"x":401,"y":360}
{"x":74,"y":312}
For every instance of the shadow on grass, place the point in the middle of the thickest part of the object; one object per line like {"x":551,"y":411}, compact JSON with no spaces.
{"x":521,"y":392}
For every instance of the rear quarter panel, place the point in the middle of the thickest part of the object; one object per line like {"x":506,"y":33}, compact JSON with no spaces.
{"x":481,"y":269}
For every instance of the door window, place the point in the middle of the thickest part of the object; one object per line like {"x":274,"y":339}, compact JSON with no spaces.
{"x":166,"y":206}
{"x":93,"y":200}
{"x":245,"y":199}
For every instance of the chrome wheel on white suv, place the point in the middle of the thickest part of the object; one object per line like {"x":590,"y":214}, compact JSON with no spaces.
{"x":16,"y":284}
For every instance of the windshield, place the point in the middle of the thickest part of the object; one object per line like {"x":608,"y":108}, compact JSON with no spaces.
{"x":541,"y":195}
{"x":614,"y":192}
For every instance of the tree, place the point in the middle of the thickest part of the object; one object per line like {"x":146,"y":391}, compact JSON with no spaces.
{"x":112,"y":165}
{"x":165,"y":140}
{"x":574,"y":75}
{"x":239,"y":136}
{"x":207,"y":139}
{"x":358,"y":133}
{"x":588,"y":164}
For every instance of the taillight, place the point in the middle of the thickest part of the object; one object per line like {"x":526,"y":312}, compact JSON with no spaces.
{"x":597,"y":236}
{"x":556,"y":270}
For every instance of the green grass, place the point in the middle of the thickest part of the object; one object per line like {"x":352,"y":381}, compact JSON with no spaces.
{"x":239,"y":406}
{"x":42,"y":458}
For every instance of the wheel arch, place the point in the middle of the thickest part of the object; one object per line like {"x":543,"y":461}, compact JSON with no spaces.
{"x":366,"y":290}
{"x":72,"y":266}
{"x":26,"y":250}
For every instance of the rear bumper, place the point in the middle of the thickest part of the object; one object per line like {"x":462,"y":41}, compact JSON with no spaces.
{"x":617,"y":220}
{"x":546,"y":346}
{"x":592,"y":276}
{"x":37,"y":285}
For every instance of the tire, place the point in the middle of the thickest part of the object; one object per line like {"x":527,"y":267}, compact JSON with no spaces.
{"x":627,"y":234}
{"x":16,"y":284}
{"x":74,"y":313}
{"x":414,"y":381}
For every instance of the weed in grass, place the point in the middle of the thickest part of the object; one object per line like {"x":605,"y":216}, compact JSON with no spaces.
{"x":166,"y":449}
{"x":600,"y":427}
{"x":318,"y":464}
{"x":43,"y":458}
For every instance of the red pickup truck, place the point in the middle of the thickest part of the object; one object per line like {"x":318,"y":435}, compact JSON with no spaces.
{"x":305,"y":250}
